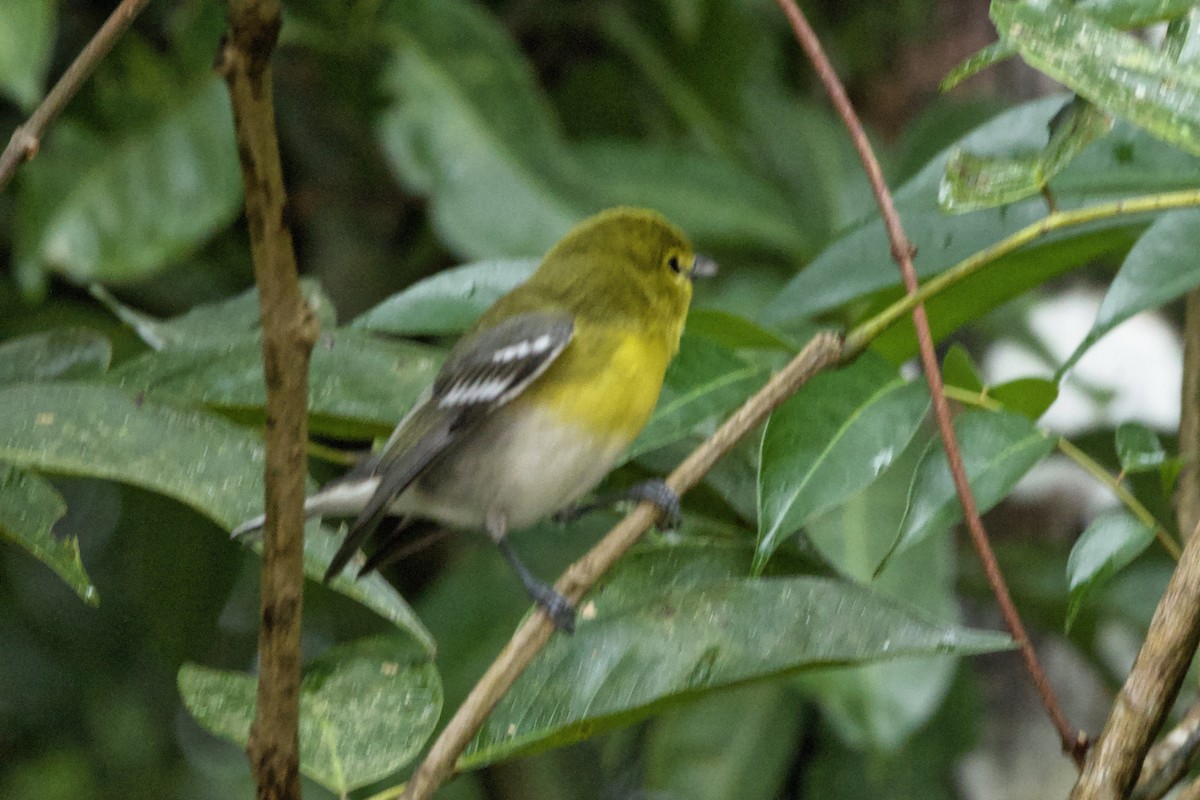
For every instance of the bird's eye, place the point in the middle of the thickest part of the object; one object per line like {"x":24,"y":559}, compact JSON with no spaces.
{"x":673,"y":263}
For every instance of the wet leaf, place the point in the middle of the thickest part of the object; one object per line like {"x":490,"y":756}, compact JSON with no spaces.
{"x":1112,"y":69}
{"x":652,"y":645}
{"x":366,"y":709}
{"x":197,"y":458}
{"x":973,"y":182}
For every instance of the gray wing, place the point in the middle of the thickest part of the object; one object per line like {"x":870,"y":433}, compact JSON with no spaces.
{"x":482,"y":373}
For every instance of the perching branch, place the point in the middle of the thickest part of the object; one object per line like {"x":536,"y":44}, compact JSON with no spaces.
{"x":289,"y":332}
{"x":1171,"y":758}
{"x":1187,"y":492}
{"x":1154,"y":681}
{"x":27,"y":138}
{"x":902,"y":251}
{"x":824,"y":349}
{"x":1113,"y":765}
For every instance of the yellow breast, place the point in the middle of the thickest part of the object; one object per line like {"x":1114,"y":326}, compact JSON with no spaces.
{"x":607,"y":382}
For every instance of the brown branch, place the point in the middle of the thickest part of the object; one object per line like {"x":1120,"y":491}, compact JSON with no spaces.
{"x":1174,"y":632}
{"x":902,"y":251}
{"x":1170,"y":759}
{"x":532,"y":635}
{"x":1140,"y":708}
{"x":1191,"y":792}
{"x":27,"y":138}
{"x":289,"y":332}
{"x":1187,"y":492}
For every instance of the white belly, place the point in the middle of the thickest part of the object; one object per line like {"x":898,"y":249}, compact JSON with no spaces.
{"x":524,"y":467}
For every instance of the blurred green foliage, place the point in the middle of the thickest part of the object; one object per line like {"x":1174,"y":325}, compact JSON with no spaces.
{"x":799,"y":637}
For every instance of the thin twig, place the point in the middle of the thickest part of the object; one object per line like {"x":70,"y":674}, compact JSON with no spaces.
{"x":902,"y":251}
{"x":1113,"y":765}
{"x":289,"y":333}
{"x":27,"y":138}
{"x":824,"y":349}
{"x":1084,"y":462}
{"x":1127,"y":498}
{"x":858,"y":338}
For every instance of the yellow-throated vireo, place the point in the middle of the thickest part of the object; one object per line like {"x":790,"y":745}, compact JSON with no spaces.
{"x":536,"y":400}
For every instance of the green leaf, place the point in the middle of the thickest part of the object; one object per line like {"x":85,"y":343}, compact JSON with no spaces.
{"x":835,"y":436}
{"x":1135,"y":13}
{"x":469,"y":128}
{"x":876,"y":707}
{"x":690,"y":754}
{"x":1138,"y":448}
{"x":210,"y":323}
{"x":1159,"y":268}
{"x":1111,"y":542}
{"x":998,"y":448}
{"x":973,"y":182}
{"x":1030,"y":397}
{"x":26,"y":44}
{"x":29,"y":507}
{"x":137,"y":204}
{"x":1127,"y":161}
{"x":58,"y":354}
{"x":711,"y":198}
{"x":972,"y":65}
{"x":959,"y":369}
{"x":735,"y":332}
{"x":1117,"y":13}
{"x":704,"y":383}
{"x":1004,"y":279}
{"x":650,"y":646}
{"x":448,"y":302}
{"x":199,"y":459}
{"x":358,"y":386}
{"x":1112,"y":69}
{"x":366,"y":709}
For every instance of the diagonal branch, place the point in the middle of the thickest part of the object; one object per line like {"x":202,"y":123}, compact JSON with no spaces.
{"x":902,"y":252}
{"x":27,"y":138}
{"x":289,"y":332}
{"x":1152,"y":684}
{"x":824,"y":350}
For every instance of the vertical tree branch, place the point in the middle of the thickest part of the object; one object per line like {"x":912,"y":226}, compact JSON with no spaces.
{"x":1187,"y":493}
{"x":289,"y":332}
{"x":27,"y":138}
{"x":1151,"y":686}
{"x":902,"y":251}
{"x":1114,"y":763}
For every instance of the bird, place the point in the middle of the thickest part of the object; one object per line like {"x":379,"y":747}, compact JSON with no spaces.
{"x":536,"y":400}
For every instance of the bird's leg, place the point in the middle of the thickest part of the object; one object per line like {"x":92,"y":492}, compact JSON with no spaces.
{"x":557,"y":607}
{"x":654,"y":490}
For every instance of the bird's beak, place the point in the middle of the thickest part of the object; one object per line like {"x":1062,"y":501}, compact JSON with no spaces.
{"x":702,"y":267}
